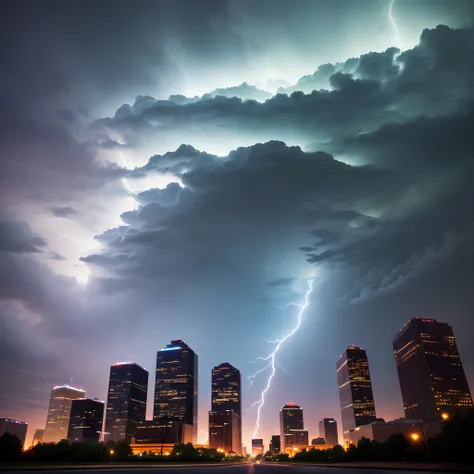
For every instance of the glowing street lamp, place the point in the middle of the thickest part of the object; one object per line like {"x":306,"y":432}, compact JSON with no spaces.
{"x":445,"y":416}
{"x":415,"y":436}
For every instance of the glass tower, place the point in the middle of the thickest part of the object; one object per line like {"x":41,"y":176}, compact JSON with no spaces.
{"x":126,"y":402}
{"x":291,"y":421}
{"x":176,"y":385}
{"x":225,"y":424}
{"x":355,"y":389}
{"x":85,"y":423}
{"x":432,"y":379}
{"x":328,"y":431}
{"x":59,"y":411}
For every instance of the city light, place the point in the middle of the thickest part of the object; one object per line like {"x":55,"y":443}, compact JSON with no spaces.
{"x":415,"y":436}
{"x":445,"y":416}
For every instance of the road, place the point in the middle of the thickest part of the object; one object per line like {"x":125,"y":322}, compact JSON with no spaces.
{"x":225,"y":469}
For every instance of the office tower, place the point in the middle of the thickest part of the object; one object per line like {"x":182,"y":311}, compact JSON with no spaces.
{"x":257,"y":447}
{"x":355,"y":389}
{"x":225,"y":431}
{"x":432,"y":379}
{"x":328,"y":431}
{"x":176,"y":385}
{"x":275,"y":446}
{"x":163,"y":432}
{"x":126,"y":401}
{"x":85,"y":422}
{"x":14,"y":427}
{"x":226,"y":389}
{"x":225,"y":424}
{"x":291,"y":419}
{"x":57,"y":422}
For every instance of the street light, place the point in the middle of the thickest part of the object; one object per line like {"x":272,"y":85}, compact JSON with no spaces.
{"x":416,"y":437}
{"x":445,"y":416}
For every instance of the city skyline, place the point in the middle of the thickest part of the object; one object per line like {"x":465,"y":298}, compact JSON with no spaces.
{"x":271,"y":183}
{"x":226,"y":393}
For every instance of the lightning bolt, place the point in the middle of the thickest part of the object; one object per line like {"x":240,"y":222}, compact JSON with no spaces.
{"x":394,"y":23}
{"x":271,"y":358}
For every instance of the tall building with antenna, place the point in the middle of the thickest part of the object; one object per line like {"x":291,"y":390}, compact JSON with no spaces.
{"x":59,"y":412}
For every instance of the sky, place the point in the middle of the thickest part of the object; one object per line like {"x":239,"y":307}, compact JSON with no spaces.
{"x":170,"y":170}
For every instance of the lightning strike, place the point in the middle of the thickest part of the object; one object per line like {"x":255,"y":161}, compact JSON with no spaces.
{"x":394,"y":23}
{"x":272,"y":357}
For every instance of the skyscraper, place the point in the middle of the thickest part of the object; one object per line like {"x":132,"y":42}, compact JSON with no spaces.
{"x":126,"y":401}
{"x":226,"y":389}
{"x":85,"y":423}
{"x":225,"y":424}
{"x":275,"y":446}
{"x":328,"y":431}
{"x":57,"y":422}
{"x":355,"y":389}
{"x":432,"y":379}
{"x":291,"y":420}
{"x":176,"y":385}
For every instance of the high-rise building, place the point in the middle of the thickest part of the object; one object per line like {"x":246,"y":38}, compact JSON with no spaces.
{"x":225,"y":431}
{"x":126,"y":401}
{"x":328,"y":431}
{"x":291,"y":419}
{"x":176,"y":385}
{"x":226,"y":389}
{"x":225,"y":424}
{"x":85,"y":422}
{"x":57,"y":422}
{"x":432,"y":378}
{"x":275,"y":444}
{"x":355,"y":390}
{"x":14,"y":427}
{"x":257,"y":447}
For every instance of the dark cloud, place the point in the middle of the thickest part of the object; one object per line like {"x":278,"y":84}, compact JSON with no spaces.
{"x":17,"y":237}
{"x":63,"y":211}
{"x":281,"y":282}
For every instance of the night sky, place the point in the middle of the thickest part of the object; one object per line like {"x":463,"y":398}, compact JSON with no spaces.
{"x":179,"y":170}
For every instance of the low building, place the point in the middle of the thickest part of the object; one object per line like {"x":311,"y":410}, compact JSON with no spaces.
{"x":318,"y":441}
{"x":380,"y":430}
{"x":257,"y":447}
{"x":295,"y":440}
{"x":14,"y":427}
{"x":225,"y":431}
{"x":163,"y":432}
{"x":163,"y":449}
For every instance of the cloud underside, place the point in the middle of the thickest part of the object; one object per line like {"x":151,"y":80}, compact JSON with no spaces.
{"x":378,"y":193}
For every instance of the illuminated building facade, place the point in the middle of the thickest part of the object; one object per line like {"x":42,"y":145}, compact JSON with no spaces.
{"x":126,"y":401}
{"x":225,"y":424}
{"x":163,"y":432}
{"x":225,"y":431}
{"x":176,"y":385}
{"x":59,"y":411}
{"x":291,"y":419}
{"x":355,"y":390}
{"x":14,"y":427}
{"x":226,"y":389}
{"x":85,"y":422}
{"x":328,"y":431}
{"x":380,"y":431}
{"x":432,"y":379}
{"x":257,"y":447}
